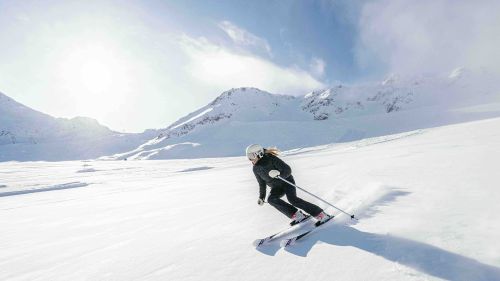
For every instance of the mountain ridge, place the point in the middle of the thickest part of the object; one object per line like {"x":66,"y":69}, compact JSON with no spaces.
{"x":246,"y":115}
{"x":240,"y":116}
{"x":27,"y":134}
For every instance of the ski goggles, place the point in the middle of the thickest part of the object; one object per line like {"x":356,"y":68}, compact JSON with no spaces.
{"x":254,"y":155}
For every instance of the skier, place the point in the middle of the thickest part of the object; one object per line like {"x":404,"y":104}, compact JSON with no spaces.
{"x":267,"y":167}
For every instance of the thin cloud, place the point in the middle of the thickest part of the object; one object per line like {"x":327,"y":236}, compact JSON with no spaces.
{"x":223,"y":68}
{"x":317,"y":66}
{"x":242,"y":37}
{"x":430,"y":36}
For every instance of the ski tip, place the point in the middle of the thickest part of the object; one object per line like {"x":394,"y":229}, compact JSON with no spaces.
{"x":257,"y":243}
{"x":287,"y":242}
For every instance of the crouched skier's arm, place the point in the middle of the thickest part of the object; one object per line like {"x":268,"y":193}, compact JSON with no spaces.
{"x":262,"y":188}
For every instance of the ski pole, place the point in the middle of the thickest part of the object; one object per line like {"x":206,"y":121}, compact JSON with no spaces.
{"x":352,"y":216}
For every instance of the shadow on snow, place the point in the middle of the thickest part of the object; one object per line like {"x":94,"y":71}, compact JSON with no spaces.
{"x":417,"y":255}
{"x":422,"y":257}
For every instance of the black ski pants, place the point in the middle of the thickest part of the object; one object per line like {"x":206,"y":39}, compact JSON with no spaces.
{"x":295,"y":202}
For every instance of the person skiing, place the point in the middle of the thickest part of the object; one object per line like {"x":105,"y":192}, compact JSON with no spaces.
{"x":267,"y":167}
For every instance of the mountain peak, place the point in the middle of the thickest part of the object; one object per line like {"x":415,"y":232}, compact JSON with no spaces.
{"x":5,"y":98}
{"x":238,"y":93}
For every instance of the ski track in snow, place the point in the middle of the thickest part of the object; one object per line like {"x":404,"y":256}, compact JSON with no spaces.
{"x":45,"y":189}
{"x":195,"y":169}
{"x":196,"y":219}
{"x":88,"y":170}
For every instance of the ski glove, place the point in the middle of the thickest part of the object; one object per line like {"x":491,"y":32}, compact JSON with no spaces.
{"x":260,"y":202}
{"x":274,"y":173}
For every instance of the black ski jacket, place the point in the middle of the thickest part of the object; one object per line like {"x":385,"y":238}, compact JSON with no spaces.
{"x":261,"y":170}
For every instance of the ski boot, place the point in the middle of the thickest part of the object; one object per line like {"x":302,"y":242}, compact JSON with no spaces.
{"x":298,"y":217}
{"x":322,"y":218}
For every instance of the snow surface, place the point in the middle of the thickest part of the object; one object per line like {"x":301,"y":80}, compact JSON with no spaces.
{"x":427,"y":202}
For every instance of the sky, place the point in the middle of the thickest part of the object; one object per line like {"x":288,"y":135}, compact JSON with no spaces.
{"x":135,"y":65}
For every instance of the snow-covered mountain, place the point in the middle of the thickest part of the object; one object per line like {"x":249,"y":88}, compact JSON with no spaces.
{"x":27,"y":134}
{"x":338,"y":114}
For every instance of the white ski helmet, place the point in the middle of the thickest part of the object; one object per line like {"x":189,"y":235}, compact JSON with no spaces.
{"x":254,"y":151}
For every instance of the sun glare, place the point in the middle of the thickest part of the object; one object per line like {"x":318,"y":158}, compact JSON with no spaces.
{"x":93,"y":76}
{"x":89,"y":69}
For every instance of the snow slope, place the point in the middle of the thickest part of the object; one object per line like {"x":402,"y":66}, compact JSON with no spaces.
{"x":428,"y":203}
{"x":27,"y":134}
{"x":339,"y":114}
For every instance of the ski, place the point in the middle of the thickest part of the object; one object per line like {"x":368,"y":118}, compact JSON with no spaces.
{"x":290,"y":241}
{"x":259,"y":242}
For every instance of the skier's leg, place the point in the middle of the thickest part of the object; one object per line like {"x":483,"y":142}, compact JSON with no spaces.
{"x":310,"y":208}
{"x":275,"y":200}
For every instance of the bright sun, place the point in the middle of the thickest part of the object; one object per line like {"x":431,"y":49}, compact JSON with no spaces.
{"x":89,"y":68}
{"x":96,"y":76}
{"x":92,"y":75}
